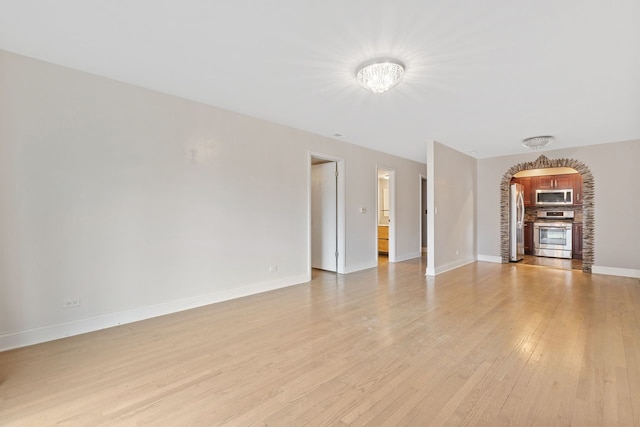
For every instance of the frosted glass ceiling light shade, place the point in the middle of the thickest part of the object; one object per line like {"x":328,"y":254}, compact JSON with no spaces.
{"x":537,"y":142}
{"x":380,"y":75}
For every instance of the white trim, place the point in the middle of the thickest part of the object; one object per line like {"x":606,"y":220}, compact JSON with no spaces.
{"x":423,"y":249}
{"x":363,"y":266}
{"x":406,"y":257}
{"x":431,"y":209}
{"x":448,"y":267}
{"x":614,"y":271}
{"x":81,"y":326}
{"x":341,"y":208}
{"x":490,"y":258}
{"x":393,"y":224}
{"x":392,"y":210}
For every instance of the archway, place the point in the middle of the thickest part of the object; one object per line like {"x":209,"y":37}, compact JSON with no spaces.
{"x":587,"y":204}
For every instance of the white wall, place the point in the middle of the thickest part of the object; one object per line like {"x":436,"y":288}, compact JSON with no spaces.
{"x":451,"y":198}
{"x":617,"y":202}
{"x":140,"y":203}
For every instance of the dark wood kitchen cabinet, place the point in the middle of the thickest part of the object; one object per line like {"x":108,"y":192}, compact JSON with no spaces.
{"x":528,"y":190}
{"x":564,"y":181}
{"x":528,"y":238}
{"x":577,"y":189}
{"x":544,"y":182}
{"x":551,"y":182}
{"x":577,"y":240}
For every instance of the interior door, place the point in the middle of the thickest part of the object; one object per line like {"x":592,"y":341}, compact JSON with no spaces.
{"x":324,"y":216}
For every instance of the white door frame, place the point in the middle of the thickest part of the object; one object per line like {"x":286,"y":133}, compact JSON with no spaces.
{"x":341,"y":267}
{"x":431,"y":207}
{"x":422,"y":208}
{"x":392,"y":210}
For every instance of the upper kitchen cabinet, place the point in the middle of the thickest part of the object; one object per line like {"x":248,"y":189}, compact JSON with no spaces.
{"x":544,"y":182}
{"x":551,"y":182}
{"x":570,"y":181}
{"x":577,"y":189}
{"x":529,"y":192}
{"x":564,"y":181}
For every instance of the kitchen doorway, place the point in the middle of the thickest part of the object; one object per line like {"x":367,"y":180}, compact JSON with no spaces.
{"x":326,"y":213}
{"x":385,"y":215}
{"x":583,"y":233}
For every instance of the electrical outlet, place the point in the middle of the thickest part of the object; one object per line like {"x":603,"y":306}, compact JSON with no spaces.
{"x":273,"y":268}
{"x":70,"y":302}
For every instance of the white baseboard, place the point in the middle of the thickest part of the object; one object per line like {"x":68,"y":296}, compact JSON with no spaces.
{"x":596,"y":269}
{"x":614,"y":271}
{"x":490,"y":258}
{"x":81,"y":326}
{"x":406,"y":257}
{"x":361,"y":266}
{"x":448,"y":267}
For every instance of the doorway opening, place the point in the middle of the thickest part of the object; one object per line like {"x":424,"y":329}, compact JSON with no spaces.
{"x":582,"y":235}
{"x":385,"y":214}
{"x":326,"y":213}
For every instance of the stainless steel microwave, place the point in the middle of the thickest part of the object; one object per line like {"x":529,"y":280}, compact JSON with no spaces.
{"x":554,"y":197}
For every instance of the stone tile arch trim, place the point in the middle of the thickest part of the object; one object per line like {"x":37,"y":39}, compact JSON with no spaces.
{"x":588,"y":187}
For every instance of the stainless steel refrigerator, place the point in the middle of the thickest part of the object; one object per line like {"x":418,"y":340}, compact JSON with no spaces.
{"x":516,"y":222}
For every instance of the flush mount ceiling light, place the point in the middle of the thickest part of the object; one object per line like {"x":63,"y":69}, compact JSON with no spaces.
{"x":537,"y":142}
{"x":380,"y":75}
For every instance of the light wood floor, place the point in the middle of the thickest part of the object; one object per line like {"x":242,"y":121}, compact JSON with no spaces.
{"x":486,"y":344}
{"x":565,"y":264}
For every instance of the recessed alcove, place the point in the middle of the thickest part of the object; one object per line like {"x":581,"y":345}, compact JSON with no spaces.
{"x":588,"y":192}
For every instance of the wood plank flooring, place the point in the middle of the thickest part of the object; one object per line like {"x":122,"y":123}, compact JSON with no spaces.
{"x":565,"y":264}
{"x":485,"y":345}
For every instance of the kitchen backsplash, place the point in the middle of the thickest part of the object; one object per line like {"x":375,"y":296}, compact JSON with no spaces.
{"x":530,"y":213}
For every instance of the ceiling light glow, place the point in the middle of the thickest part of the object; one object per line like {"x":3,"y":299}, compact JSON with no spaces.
{"x":380,"y":75}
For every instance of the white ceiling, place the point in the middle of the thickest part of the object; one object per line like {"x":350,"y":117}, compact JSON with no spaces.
{"x":480,"y":75}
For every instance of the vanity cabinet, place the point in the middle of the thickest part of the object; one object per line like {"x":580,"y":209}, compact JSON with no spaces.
{"x":383,"y":239}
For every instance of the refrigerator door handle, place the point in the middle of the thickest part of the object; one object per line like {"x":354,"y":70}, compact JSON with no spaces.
{"x":521,"y":197}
